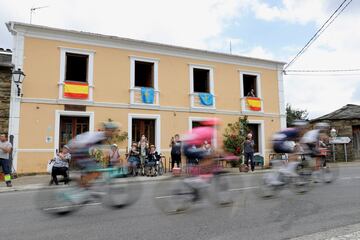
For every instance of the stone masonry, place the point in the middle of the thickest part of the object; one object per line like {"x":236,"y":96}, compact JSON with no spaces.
{"x":5,"y":87}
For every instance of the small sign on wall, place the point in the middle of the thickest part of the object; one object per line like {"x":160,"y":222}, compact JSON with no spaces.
{"x":48,"y":139}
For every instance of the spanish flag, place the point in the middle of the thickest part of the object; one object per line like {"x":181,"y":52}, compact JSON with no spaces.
{"x":76,"y":90}
{"x":254,"y":103}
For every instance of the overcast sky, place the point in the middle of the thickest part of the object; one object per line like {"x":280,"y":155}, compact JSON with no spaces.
{"x":272,"y":29}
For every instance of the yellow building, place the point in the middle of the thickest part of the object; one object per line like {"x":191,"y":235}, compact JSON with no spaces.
{"x":76,"y":80}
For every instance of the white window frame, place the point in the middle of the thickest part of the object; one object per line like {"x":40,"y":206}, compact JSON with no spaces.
{"x":200,"y":119}
{"x":155,"y":117}
{"x":211,"y":83}
{"x":90,"y":71}
{"x":134,"y":88}
{"x":258,"y":88}
{"x":59,"y":113}
{"x":261,"y":131}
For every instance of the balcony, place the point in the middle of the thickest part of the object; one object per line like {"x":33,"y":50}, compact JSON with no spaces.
{"x":137,"y":97}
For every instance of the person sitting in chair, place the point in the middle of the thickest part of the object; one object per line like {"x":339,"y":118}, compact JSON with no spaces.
{"x":61,"y":166}
{"x":151,"y":163}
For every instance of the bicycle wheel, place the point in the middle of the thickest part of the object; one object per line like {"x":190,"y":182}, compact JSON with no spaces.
{"x":219,"y":190}
{"x":160,"y":170}
{"x":329,"y":174}
{"x":264,"y":188}
{"x":173,"y":196}
{"x":57,"y":200}
{"x":121,"y":193}
{"x":302,"y":183}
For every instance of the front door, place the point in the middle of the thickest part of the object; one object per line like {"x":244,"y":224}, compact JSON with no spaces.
{"x":143,"y":126}
{"x":254,"y":130}
{"x":70,"y":127}
{"x":356,"y":142}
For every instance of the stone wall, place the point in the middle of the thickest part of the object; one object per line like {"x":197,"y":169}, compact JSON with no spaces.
{"x":5,"y":86}
{"x":345,"y":129}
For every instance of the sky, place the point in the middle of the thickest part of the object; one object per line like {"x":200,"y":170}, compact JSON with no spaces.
{"x":270,"y":29}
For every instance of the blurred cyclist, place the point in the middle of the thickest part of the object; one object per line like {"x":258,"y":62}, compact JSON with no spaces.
{"x":287,"y":140}
{"x":81,"y":146}
{"x":199,"y":160}
{"x":312,"y":141}
{"x":195,"y":138}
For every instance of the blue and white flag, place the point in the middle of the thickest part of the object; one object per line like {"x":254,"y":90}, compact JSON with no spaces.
{"x":147,"y":95}
{"x":206,"y":99}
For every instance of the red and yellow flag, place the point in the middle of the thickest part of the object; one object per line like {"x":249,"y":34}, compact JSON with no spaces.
{"x":76,"y":90}
{"x":254,"y":103}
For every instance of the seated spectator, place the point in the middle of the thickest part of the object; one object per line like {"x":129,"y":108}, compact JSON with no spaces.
{"x":133,"y":159}
{"x":151,"y":162}
{"x":61,"y":166}
{"x":114,"y":156}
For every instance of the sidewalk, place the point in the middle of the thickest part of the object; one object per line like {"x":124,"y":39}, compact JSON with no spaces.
{"x":41,"y":181}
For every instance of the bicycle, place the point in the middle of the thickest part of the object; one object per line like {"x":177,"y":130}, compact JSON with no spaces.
{"x":176,"y":194}
{"x":285,"y":175}
{"x":112,"y":188}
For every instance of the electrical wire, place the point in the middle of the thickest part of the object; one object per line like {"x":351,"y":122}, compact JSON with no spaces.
{"x":328,"y":22}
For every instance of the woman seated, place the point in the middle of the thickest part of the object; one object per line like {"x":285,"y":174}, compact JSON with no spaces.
{"x":151,"y":164}
{"x":133,"y":159}
{"x":61,"y":166}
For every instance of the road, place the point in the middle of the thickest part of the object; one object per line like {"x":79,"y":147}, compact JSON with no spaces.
{"x":327,"y":210}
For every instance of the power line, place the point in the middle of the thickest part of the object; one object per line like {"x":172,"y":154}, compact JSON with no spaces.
{"x":321,"y":70}
{"x":328,"y":22}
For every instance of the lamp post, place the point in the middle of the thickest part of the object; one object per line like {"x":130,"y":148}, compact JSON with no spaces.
{"x":18,"y":78}
{"x":333,"y":134}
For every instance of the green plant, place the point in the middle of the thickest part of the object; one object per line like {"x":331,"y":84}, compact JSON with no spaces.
{"x":234,"y":138}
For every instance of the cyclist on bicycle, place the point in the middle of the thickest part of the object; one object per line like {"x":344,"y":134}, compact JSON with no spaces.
{"x":81,"y":146}
{"x":312,"y":141}
{"x":196,"y":155}
{"x":287,"y":142}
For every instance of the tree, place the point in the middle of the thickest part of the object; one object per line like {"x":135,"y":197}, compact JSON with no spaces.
{"x":295,"y":114}
{"x":234,"y":137}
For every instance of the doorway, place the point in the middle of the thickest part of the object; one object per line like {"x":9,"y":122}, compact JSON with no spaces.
{"x":254,"y":130}
{"x":143,"y":126}
{"x":147,"y":124}
{"x":71,"y":126}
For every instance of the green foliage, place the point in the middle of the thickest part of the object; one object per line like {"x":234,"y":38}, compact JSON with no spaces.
{"x":295,"y":114}
{"x":235,"y":136}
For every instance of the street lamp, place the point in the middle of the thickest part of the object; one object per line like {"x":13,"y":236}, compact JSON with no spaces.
{"x":333,"y":134}
{"x":18,"y":78}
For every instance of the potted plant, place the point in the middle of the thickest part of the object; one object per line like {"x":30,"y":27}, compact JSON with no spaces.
{"x":234,"y":138}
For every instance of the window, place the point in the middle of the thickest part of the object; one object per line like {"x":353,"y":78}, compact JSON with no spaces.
{"x":201,"y":80}
{"x":144,"y":74}
{"x":76,"y":67}
{"x":250,"y":85}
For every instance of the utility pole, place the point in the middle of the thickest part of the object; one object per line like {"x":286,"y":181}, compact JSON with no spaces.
{"x":32,"y":10}
{"x":230,"y":48}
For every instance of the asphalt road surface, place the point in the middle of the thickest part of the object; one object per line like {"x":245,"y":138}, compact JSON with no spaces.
{"x":326,"y":208}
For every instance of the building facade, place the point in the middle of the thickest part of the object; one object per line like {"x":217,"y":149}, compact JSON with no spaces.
{"x":346,"y":122}
{"x":76,"y":80}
